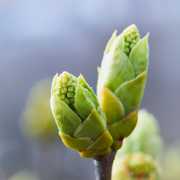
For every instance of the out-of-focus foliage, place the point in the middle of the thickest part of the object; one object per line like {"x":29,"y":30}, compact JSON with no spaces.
{"x":37,"y":122}
{"x":171,"y":162}
{"x":25,"y":175}
{"x":139,"y":155}
{"x":136,"y":166}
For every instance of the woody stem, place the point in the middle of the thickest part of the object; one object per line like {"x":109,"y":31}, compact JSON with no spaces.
{"x":103,"y":166}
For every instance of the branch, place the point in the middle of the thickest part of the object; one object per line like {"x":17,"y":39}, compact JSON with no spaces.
{"x":103,"y":166}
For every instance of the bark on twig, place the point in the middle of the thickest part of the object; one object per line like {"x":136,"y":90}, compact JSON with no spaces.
{"x":103,"y":166}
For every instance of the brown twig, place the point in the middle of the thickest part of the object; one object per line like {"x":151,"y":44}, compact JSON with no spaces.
{"x":103,"y":166}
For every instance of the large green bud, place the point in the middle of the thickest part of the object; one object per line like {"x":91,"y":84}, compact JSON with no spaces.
{"x":79,"y":116}
{"x":121,"y":81}
{"x":145,"y":138}
{"x":136,"y":166}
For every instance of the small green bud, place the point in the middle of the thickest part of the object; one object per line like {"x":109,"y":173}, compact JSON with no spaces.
{"x":131,"y":35}
{"x":79,"y":116}
{"x":65,"y":88}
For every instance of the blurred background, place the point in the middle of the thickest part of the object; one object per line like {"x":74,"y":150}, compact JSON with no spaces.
{"x":39,"y":38}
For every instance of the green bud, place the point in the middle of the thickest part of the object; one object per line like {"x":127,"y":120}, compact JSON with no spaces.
{"x":131,"y":37}
{"x":145,"y":138}
{"x":79,"y":116}
{"x":36,"y":120}
{"x":136,"y":166}
{"x":122,"y":79}
{"x":65,"y":88}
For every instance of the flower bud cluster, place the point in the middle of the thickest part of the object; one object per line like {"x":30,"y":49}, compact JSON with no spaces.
{"x":65,"y":88}
{"x":136,"y":166}
{"x":79,"y":116}
{"x":140,"y":165}
{"x":131,"y":38}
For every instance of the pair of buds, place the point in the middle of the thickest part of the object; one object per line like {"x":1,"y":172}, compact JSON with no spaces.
{"x":93,"y":125}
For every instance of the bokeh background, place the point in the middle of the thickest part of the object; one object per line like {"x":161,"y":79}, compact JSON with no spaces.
{"x":39,"y":38}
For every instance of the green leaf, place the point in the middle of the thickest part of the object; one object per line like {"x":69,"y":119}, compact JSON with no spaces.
{"x":88,"y":153}
{"x":74,"y":143}
{"x":66,"y":120}
{"x":111,"y":105}
{"x":111,"y":40}
{"x":113,"y":132}
{"x":104,"y":152}
{"x":102,"y":115}
{"x":119,"y":41}
{"x":117,"y":144}
{"x":102,"y":142}
{"x":84,"y":101}
{"x":130,"y":93}
{"x":126,"y":125}
{"x":54,"y":82}
{"x":116,"y":69}
{"x":92,"y":127}
{"x":139,"y":56}
{"x":83,"y":82}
